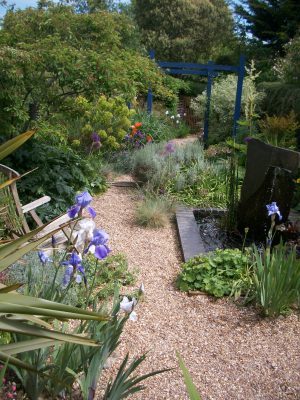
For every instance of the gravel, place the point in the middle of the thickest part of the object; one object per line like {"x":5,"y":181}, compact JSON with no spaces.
{"x":230,"y":351}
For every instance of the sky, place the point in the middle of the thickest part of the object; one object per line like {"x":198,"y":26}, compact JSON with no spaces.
{"x":19,"y":4}
{"x":22,"y":4}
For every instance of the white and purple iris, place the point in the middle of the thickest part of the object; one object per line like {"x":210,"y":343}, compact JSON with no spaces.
{"x":73,"y":266}
{"x":273,"y":209}
{"x":98,"y":245}
{"x":83,"y":200}
{"x":127,"y":306}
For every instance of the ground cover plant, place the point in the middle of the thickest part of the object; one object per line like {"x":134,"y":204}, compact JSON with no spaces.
{"x":216,"y":273}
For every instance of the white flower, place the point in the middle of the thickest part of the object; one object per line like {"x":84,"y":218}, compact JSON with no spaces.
{"x":172,"y":116}
{"x":177,"y":122}
{"x":133,"y":316}
{"x":142,"y":289}
{"x":167,"y":112}
{"x":184,"y":114}
{"x":83,"y":231}
{"x":126,"y":305}
{"x":178,"y":115}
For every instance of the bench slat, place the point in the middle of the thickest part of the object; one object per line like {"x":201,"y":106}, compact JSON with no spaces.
{"x":36,"y":203}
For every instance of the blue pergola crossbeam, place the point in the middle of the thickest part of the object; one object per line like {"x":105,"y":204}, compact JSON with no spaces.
{"x":211,"y":71}
{"x":198,"y":67}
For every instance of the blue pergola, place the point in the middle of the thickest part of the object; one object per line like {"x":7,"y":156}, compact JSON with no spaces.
{"x":210,"y":70}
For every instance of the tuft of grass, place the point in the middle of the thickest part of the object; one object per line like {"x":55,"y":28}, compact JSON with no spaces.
{"x":153,"y":212}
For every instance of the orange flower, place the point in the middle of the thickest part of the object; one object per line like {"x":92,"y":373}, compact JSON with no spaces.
{"x":138,"y":125}
{"x":149,"y":138}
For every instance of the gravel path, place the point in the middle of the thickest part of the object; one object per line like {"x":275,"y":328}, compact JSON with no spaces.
{"x":230,"y":352}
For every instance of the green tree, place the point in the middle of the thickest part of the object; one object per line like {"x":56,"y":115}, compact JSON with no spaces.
{"x":273,"y":22}
{"x":184,"y":30}
{"x":289,"y":66}
{"x":50,"y":56}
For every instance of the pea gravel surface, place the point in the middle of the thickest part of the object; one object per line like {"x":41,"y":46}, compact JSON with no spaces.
{"x":230,"y":351}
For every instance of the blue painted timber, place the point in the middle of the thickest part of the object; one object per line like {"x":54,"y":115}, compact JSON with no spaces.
{"x":211,"y":71}
{"x":238,"y":97}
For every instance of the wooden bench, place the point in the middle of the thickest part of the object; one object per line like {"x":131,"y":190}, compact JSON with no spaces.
{"x":12,"y":212}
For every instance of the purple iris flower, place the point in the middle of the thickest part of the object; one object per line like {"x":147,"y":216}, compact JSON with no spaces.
{"x":273,"y":209}
{"x":95,"y":137}
{"x":98,"y":245}
{"x":82,"y":201}
{"x":72,"y":266}
{"x":43,"y":257}
{"x":247,"y":139}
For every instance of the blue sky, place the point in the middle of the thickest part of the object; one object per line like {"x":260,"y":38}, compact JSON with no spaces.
{"x":19,"y":4}
{"x":23,"y":4}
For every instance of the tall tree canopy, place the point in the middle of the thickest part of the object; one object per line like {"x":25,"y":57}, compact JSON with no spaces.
{"x":274,"y":22}
{"x":184,"y":30}
{"x":48,"y":57}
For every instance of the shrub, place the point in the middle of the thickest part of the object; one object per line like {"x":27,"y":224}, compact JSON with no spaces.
{"x":280,"y":98}
{"x":182,"y":172}
{"x":61,"y":173}
{"x":222,"y":105}
{"x":155,"y":125}
{"x":288,"y":68}
{"x":153,"y":212}
{"x":105,"y":121}
{"x":277,"y":279}
{"x":216,"y":273}
{"x":279,"y":130}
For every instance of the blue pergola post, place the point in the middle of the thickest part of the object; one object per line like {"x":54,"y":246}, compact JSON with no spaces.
{"x":150,"y":95}
{"x":210,"y":69}
{"x":238,"y":97}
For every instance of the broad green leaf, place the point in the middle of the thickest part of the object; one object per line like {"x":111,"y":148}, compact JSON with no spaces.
{"x":54,"y":309}
{"x":13,"y":251}
{"x":191,"y":388}
{"x":11,"y":288}
{"x":27,"y":345}
{"x":32,"y":330}
{"x":12,"y":144}
{"x":31,"y":318}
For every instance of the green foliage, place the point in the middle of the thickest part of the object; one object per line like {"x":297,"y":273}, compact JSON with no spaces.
{"x":184,"y":174}
{"x":184,"y":30}
{"x":49,"y":56}
{"x":277,"y":279}
{"x":288,"y":68}
{"x":272,"y":22}
{"x":61,"y":173}
{"x":155,"y":125}
{"x":222,"y":105}
{"x":111,"y":274}
{"x":215,"y":273}
{"x":153,"y":212}
{"x":191,"y":388}
{"x":280,"y":98}
{"x":279,"y":130}
{"x":108,"y":117}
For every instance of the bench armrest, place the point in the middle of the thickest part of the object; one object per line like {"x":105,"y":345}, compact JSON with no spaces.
{"x":36,"y":203}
